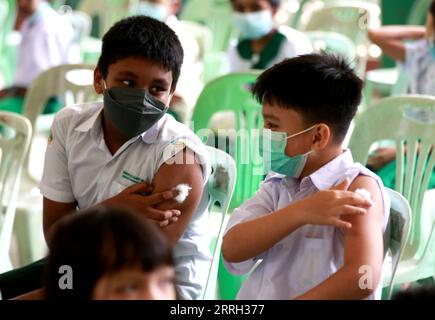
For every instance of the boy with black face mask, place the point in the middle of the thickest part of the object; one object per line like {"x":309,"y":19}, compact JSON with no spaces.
{"x":128,"y":152}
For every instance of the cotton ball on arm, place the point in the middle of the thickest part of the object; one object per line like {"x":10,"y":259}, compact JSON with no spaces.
{"x":364,"y":193}
{"x":183,"y":192}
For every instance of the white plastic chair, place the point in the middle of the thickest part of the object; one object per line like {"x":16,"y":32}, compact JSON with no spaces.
{"x":332,"y":42}
{"x":220,"y":188}
{"x":351,"y":18}
{"x":397,"y":234}
{"x":410,"y":122}
{"x":73,"y":83}
{"x":15,"y":135}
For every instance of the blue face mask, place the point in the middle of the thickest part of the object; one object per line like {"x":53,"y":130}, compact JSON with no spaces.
{"x":253,"y":25}
{"x":154,"y":10}
{"x":272,"y":149}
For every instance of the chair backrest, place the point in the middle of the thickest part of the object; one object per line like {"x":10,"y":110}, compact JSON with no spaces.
{"x":232,"y":92}
{"x":107,"y":11}
{"x":66,"y":81}
{"x":15,"y":135}
{"x":81,"y":23}
{"x":220,"y":188}
{"x":410,"y":122}
{"x":332,"y":42}
{"x":397,"y":234}
{"x":73,"y":83}
{"x":216,"y":15}
{"x":351,"y":18}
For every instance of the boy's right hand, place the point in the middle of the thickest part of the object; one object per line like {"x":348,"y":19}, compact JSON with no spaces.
{"x":133,"y":197}
{"x":327,"y":206}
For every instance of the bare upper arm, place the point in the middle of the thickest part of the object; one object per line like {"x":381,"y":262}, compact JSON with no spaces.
{"x":363,"y":243}
{"x":169,"y":176}
{"x":53,"y":212}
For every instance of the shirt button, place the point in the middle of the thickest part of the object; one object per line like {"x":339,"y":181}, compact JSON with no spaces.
{"x":266,"y":282}
{"x":279,"y":247}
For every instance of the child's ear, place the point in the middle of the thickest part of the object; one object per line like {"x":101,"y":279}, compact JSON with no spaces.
{"x":322,"y":136}
{"x":98,"y":81}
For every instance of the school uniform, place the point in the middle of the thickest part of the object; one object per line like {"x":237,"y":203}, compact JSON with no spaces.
{"x":79,"y":167}
{"x":46,"y":39}
{"x":285,"y":43}
{"x":308,"y":255}
{"x":420,"y":66}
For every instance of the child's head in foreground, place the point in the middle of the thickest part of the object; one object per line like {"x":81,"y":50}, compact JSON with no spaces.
{"x":312,"y":99}
{"x":110,"y":254}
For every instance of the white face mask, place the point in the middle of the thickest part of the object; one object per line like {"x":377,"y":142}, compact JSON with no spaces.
{"x":154,"y":10}
{"x":253,"y":25}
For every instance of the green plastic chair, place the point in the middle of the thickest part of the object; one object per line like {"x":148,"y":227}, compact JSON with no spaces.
{"x":396,"y":236}
{"x":332,"y":42}
{"x":216,"y":15}
{"x":74,"y":84}
{"x":389,"y":81}
{"x":410,"y":122}
{"x":232,"y":92}
{"x":15,"y":135}
{"x":220,"y":188}
{"x":350,"y":18}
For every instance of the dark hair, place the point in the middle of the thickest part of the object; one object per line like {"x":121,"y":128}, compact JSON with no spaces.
{"x":99,"y":241}
{"x":141,"y":36}
{"x":421,"y":293}
{"x":321,"y":87}
{"x":273,"y":3}
{"x":432,"y":10}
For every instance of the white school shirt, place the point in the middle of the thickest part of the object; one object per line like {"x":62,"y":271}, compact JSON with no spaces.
{"x":46,"y":39}
{"x":308,"y":255}
{"x":420,"y":66}
{"x":79,"y":167}
{"x":297,"y":44}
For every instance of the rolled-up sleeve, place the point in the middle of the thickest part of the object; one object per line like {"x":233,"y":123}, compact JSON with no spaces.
{"x":56,"y":183}
{"x":261,"y":204}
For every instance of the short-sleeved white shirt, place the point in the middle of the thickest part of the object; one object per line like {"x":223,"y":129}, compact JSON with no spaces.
{"x":296,"y":44}
{"x":308,"y":255}
{"x":46,"y":39}
{"x":420,"y":66}
{"x":79,"y":167}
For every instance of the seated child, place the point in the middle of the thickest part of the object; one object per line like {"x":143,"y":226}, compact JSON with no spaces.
{"x":111,"y":254}
{"x":46,"y":39}
{"x":262,"y":42}
{"x":312,"y":234}
{"x":417,"y":59}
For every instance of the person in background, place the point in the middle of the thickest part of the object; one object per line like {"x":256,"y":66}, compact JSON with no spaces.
{"x":417,"y":59}
{"x":113,"y":254}
{"x":189,"y":85}
{"x":263,"y":42}
{"x":46,"y":39}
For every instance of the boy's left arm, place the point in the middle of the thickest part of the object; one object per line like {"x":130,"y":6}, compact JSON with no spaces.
{"x":171,"y":174}
{"x":363,"y":252}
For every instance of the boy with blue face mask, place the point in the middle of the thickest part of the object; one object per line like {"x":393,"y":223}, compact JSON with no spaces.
{"x":262,"y":43}
{"x":312,"y":235}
